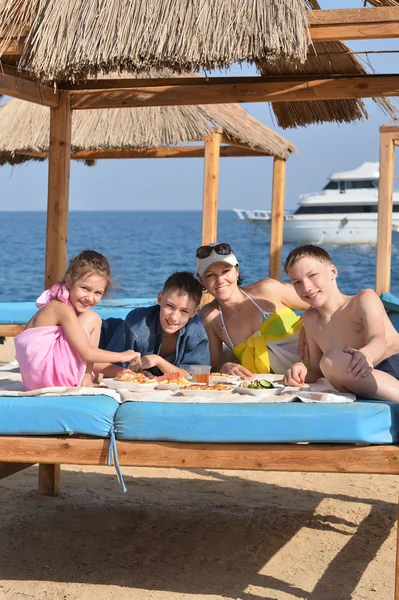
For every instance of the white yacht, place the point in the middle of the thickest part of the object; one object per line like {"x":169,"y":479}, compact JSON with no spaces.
{"x":344,"y":212}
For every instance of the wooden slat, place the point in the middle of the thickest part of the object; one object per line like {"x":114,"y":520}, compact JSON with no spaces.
{"x":324,"y":458}
{"x":49,"y":479}
{"x":277,"y":221}
{"x":271,"y":89}
{"x":10,"y":330}
{"x":7,"y":469}
{"x":58,"y":190}
{"x":26,"y":89}
{"x":385,"y":199}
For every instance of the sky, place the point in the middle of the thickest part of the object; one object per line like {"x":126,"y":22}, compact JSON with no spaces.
{"x":177,"y":184}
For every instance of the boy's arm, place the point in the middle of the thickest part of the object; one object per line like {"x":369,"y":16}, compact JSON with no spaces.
{"x":372,"y":313}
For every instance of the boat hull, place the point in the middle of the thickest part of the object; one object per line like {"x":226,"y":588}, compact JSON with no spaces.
{"x":344,"y":229}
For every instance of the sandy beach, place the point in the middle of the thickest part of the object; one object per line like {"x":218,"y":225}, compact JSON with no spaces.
{"x":198,"y":534}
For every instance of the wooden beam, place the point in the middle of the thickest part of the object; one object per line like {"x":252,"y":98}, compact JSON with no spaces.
{"x":277,"y":220}
{"x":26,"y":89}
{"x":318,"y":458}
{"x":242,"y":89}
{"x":353,"y":24}
{"x":11,"y":330}
{"x":58,"y":190}
{"x":182,"y":152}
{"x":384,"y":232}
{"x":7,"y":469}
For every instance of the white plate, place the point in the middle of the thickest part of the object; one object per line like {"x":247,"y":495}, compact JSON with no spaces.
{"x":167,"y":386}
{"x":214,"y":393}
{"x":114,"y":384}
{"x":227,"y":379}
{"x":276,"y":391}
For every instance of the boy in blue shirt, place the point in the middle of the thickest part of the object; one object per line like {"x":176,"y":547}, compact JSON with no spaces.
{"x":170,"y":335}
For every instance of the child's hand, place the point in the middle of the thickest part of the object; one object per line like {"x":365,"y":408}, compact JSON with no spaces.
{"x":360,"y":365}
{"x":130,"y":356}
{"x":295,"y":375}
{"x":149,"y":361}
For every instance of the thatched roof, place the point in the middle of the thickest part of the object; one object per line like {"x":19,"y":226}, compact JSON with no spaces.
{"x":74,"y":39}
{"x":24,"y":128}
{"x":323,"y":58}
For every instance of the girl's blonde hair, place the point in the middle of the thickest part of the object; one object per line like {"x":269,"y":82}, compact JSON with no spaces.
{"x":88,"y":261}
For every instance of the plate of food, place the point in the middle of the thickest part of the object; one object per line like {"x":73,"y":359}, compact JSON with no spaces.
{"x":224,"y":378}
{"x":135,"y":382}
{"x":203,"y":389}
{"x":259,"y":387}
{"x":171,"y":381}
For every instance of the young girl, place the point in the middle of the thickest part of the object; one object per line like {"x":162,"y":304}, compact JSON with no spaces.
{"x":60,"y":343}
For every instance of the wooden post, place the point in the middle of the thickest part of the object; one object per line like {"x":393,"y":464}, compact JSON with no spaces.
{"x":49,"y":479}
{"x":277,"y":222}
{"x":57,"y":230}
{"x":210,"y":197}
{"x":58,"y":190}
{"x":211,"y":185}
{"x":384,"y":235}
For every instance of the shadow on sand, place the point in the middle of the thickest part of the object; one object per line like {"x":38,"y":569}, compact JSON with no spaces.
{"x":189,"y":536}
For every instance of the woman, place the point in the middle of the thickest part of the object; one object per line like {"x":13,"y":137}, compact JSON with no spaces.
{"x":256,"y":321}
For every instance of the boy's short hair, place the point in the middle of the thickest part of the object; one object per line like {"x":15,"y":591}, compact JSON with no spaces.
{"x":307,"y":251}
{"x":185,"y":283}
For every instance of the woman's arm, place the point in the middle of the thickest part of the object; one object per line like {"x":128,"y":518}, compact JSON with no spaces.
{"x":289,"y":297}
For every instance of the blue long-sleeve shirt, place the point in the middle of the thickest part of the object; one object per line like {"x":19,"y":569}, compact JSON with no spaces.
{"x":141,"y":331}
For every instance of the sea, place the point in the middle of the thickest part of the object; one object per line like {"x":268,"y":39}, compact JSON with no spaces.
{"x":145,"y":247}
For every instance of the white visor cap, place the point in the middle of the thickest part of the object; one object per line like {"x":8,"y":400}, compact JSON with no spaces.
{"x":202,"y":264}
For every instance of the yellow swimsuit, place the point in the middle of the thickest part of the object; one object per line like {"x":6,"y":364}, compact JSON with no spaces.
{"x":274,"y":347}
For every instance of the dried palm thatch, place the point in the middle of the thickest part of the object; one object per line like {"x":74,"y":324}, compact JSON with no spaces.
{"x":323,"y":58}
{"x":74,"y":39}
{"x":25,"y":129}
{"x":383,"y":2}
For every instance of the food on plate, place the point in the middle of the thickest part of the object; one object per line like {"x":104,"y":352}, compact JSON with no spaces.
{"x":217,"y":387}
{"x":258,"y":384}
{"x":131,"y":377}
{"x":171,"y":378}
{"x":223,"y":378}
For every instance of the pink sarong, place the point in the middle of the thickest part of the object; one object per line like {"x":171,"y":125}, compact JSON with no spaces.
{"x":47,"y":359}
{"x":45,"y":356}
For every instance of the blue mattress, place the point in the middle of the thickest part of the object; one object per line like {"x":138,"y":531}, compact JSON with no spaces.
{"x":361,"y":421}
{"x":19,"y":313}
{"x":57,"y":415}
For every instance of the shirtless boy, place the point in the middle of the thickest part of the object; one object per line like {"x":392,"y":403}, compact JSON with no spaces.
{"x":350,"y":339}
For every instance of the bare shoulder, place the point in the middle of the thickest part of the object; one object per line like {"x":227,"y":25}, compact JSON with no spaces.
{"x":209,"y":312}
{"x":264,"y":287}
{"x":311,"y":317}
{"x":366,"y":298}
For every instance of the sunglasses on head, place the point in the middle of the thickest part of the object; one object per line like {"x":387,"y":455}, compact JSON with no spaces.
{"x":221,"y":249}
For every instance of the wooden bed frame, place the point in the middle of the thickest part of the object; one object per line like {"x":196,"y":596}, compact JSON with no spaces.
{"x":18,"y":453}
